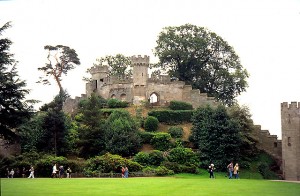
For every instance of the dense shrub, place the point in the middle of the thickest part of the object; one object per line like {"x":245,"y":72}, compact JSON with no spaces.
{"x":110,"y":163}
{"x":175,"y":132}
{"x":179,"y":168}
{"x":161,"y":141}
{"x":265,"y":171}
{"x":163,"y":171}
{"x":151,"y":124}
{"x":43,"y":167}
{"x":159,"y":171}
{"x":156,"y":157}
{"x":183,"y":156}
{"x":146,"y":137}
{"x":115,"y":103}
{"x":172,"y":116}
{"x":180,"y":105}
{"x":142,"y":158}
{"x":121,"y":134}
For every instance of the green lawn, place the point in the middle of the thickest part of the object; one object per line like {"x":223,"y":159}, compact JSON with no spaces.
{"x":178,"y":185}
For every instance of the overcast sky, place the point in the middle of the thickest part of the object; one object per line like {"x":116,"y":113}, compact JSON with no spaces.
{"x":264,"y":33}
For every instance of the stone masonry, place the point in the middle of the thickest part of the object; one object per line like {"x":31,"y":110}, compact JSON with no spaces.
{"x":140,"y":88}
{"x":290,"y":126}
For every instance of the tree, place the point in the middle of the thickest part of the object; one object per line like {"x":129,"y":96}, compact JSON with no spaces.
{"x":118,"y":65}
{"x":202,"y":59}
{"x":121,"y":134}
{"x":242,"y":115}
{"x":54,"y":126}
{"x":90,"y":127}
{"x":61,"y":59}
{"x":14,"y":109}
{"x":217,"y":136}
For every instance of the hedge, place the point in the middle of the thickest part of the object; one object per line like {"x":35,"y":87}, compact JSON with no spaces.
{"x":172,"y":116}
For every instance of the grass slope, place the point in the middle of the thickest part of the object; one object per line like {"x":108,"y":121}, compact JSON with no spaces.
{"x":177,"y":185}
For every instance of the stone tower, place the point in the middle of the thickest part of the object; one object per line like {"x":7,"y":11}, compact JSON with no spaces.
{"x":140,"y":70}
{"x":290,"y":126}
{"x":99,"y":75}
{"x":140,"y":78}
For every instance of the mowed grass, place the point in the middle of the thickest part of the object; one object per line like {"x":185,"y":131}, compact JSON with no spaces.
{"x":185,"y":185}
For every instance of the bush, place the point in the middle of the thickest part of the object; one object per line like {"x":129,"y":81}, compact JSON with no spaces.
{"x":44,"y":165}
{"x":146,"y":137}
{"x":159,"y":171}
{"x":179,"y":168}
{"x":265,"y":171}
{"x":172,"y":116}
{"x":115,"y":103}
{"x":175,"y":132}
{"x":179,"y":105}
{"x":110,"y":163}
{"x":142,"y":158}
{"x":163,"y":171}
{"x":183,"y":156}
{"x":161,"y":141}
{"x":156,"y":157}
{"x":151,"y":124}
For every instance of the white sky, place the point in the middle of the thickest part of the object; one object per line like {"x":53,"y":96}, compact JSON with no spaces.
{"x":264,"y":33}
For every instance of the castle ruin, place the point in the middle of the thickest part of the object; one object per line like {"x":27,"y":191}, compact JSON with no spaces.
{"x":159,"y":90}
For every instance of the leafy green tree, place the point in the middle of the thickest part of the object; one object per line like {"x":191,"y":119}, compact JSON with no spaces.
{"x":217,"y":136}
{"x":119,"y":65}
{"x":14,"y":109}
{"x":61,"y":59}
{"x":122,"y":135}
{"x":242,"y":115}
{"x":32,"y":132}
{"x":202,"y":59}
{"x":91,"y":132}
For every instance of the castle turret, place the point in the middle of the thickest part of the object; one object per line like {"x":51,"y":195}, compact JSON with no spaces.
{"x":140,"y":70}
{"x":99,"y":72}
{"x":290,"y":125}
{"x":140,"y":77}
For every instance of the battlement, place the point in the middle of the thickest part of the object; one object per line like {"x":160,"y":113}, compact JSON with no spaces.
{"x":139,"y":60}
{"x":98,"y":69}
{"x":291,"y":106}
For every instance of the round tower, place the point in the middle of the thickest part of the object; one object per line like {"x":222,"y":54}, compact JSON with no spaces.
{"x":140,"y":70}
{"x":290,"y":128}
{"x":99,"y":72}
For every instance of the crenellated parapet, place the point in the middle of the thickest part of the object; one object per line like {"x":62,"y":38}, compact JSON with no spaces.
{"x":292,"y":106}
{"x":139,"y":60}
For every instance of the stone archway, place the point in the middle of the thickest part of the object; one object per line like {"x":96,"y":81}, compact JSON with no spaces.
{"x":113,"y":96}
{"x":123,"y":97}
{"x":154,"y":99}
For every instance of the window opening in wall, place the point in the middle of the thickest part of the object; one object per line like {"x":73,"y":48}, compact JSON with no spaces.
{"x":289,"y":121}
{"x":123,"y":97}
{"x":142,"y":74}
{"x":289,"y":141}
{"x":101,"y":80}
{"x":153,"y":98}
{"x":113,"y":96}
{"x":275,"y":144}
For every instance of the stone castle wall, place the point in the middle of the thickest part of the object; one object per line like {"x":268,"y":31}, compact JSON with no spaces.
{"x":290,"y":125}
{"x":267,"y":142}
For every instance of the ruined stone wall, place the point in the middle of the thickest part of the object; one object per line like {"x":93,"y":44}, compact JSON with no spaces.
{"x":268,"y":143}
{"x":70,"y":105}
{"x":290,"y":125}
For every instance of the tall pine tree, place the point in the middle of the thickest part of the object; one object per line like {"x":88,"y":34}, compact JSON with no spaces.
{"x":14,"y":110}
